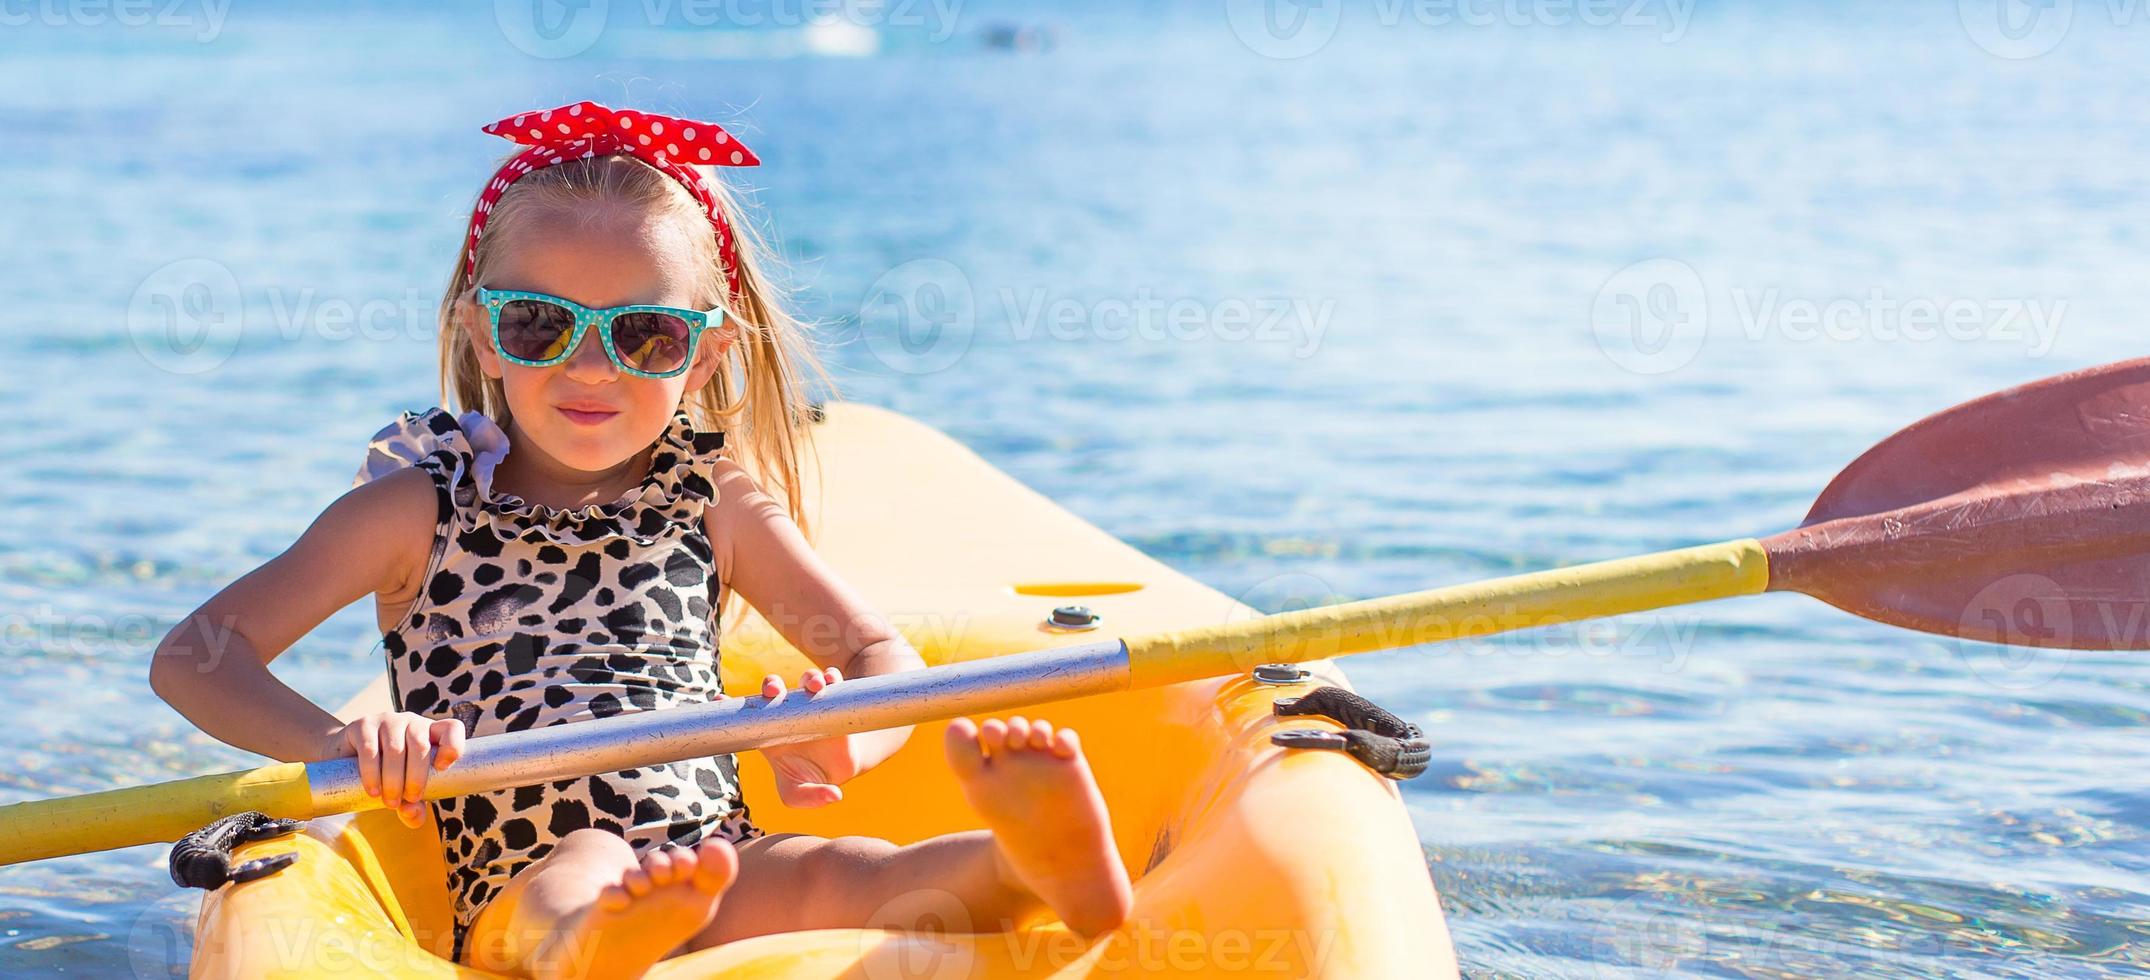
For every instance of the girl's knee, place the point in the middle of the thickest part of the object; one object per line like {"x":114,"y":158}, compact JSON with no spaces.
{"x":853,"y":856}
{"x":590,"y":846}
{"x":844,"y":867}
{"x":591,"y":839}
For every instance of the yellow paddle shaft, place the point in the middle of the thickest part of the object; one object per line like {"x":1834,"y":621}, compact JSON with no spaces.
{"x":1560,"y":595}
{"x":148,"y":814}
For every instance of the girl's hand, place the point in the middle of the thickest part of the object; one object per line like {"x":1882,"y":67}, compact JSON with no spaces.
{"x":808,"y":773}
{"x":396,"y":752}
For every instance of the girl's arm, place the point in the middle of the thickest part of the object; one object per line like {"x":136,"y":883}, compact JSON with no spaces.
{"x":213,"y":667}
{"x":802,"y":598}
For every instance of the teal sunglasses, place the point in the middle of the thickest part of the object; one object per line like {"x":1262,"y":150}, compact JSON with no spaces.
{"x":536,"y":330}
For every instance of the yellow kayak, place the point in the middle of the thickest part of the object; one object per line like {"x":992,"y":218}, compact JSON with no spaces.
{"x":1248,"y":858}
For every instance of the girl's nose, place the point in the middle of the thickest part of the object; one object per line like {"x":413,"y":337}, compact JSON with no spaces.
{"x":588,"y":362}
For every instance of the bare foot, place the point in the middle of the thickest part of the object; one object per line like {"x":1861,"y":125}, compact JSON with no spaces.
{"x":1032,"y":785}
{"x":654,"y":908}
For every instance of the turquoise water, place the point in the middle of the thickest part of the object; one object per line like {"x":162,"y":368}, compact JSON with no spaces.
{"x":1430,"y":301}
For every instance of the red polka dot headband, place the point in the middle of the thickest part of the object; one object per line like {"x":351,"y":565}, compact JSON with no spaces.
{"x":586,"y":129}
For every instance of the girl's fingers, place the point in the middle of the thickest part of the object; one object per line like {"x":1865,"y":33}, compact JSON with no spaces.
{"x":365,"y":741}
{"x":391,"y":742}
{"x":448,"y":734}
{"x":772,"y":687}
{"x":832,"y":675}
{"x":417,"y":759}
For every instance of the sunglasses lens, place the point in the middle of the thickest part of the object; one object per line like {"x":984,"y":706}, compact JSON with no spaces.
{"x":535,"y":330}
{"x":653,"y":342}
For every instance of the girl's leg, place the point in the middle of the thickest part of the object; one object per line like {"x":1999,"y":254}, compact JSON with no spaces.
{"x":792,"y":882}
{"x":1049,"y":847}
{"x":590,"y":908}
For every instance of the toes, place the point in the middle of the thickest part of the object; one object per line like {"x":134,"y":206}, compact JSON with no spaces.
{"x":637,"y":882}
{"x":684,"y":861}
{"x":1018,"y":731}
{"x":993,"y":735}
{"x":613,"y":898}
{"x":659,"y":866}
{"x":1066,"y":745}
{"x":1041,"y":735}
{"x":965,"y":744}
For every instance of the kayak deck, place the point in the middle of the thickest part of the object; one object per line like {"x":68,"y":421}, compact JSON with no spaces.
{"x":1247,"y":857}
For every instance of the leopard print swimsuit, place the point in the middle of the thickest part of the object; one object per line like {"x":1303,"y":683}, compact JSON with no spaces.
{"x":534,"y":616}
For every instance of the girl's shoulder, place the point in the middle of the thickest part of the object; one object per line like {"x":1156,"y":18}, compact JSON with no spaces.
{"x":739,"y":510}
{"x":732,"y":488}
{"x":398,"y":512}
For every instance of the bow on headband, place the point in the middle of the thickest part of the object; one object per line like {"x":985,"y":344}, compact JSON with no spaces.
{"x":586,"y":129}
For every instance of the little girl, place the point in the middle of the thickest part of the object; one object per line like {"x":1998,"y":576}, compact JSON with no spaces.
{"x":562,"y":549}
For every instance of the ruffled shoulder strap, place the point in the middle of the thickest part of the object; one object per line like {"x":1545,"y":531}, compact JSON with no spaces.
{"x":462,"y":452}
{"x":686,"y":459}
{"x":457,"y":452}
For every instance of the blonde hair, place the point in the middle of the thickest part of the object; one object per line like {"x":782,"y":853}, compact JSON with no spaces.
{"x":764,"y":411}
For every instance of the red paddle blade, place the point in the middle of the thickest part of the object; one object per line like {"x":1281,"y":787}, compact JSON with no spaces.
{"x":2022,"y":518}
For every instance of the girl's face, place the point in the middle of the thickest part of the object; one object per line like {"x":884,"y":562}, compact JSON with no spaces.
{"x":584,"y":412}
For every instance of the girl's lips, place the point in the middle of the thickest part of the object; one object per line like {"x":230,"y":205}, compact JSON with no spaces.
{"x":586,"y":418}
